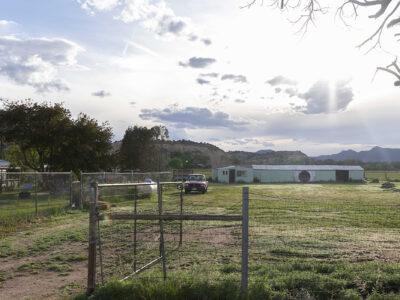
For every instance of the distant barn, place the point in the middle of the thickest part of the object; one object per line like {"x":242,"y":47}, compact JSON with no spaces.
{"x":287,"y":173}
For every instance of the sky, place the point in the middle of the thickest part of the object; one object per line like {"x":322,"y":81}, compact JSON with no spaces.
{"x":210,"y":71}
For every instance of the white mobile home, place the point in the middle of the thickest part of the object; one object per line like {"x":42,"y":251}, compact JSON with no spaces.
{"x":287,"y":173}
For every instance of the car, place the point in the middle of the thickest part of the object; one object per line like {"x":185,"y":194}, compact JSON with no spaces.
{"x":196,"y":182}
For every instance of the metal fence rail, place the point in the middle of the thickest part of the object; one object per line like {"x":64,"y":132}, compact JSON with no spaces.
{"x":126,"y":247}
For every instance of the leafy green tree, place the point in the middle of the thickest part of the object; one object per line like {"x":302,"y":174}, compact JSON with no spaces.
{"x":44,"y":136}
{"x":87,"y":146}
{"x":176,"y":163}
{"x":140,"y":147}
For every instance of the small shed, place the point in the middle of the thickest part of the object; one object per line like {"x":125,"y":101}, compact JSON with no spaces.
{"x":287,"y":173}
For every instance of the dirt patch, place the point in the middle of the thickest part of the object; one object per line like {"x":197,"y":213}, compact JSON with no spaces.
{"x":45,"y":285}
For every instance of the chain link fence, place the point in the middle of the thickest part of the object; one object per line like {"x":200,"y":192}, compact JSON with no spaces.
{"x":24,"y":195}
{"x":205,"y":243}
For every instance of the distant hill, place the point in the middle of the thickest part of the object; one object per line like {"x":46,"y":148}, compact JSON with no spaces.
{"x":208,"y":155}
{"x":264,"y":151}
{"x":376,"y":154}
{"x":269,"y":158}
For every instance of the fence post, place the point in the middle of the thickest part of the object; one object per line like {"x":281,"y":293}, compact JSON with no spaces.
{"x":245,"y":238}
{"x":181,"y":204}
{"x":92,"y":239}
{"x":81,"y":190}
{"x":134,"y":228}
{"x":131,"y":176}
{"x":70,"y":189}
{"x":36,"y":199}
{"x":162,"y":249}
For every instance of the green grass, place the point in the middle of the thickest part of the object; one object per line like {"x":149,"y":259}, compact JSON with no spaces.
{"x":383,"y":175}
{"x":322,"y":241}
{"x":71,"y":227}
{"x":307,"y":241}
{"x":16,"y":214}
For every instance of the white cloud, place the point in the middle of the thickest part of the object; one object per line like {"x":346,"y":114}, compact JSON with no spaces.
{"x":157,"y":17}
{"x":98,"y":4}
{"x":6,"y":23}
{"x":325,"y":97}
{"x":35,"y":62}
{"x":192,"y":117}
{"x":198,"y":62}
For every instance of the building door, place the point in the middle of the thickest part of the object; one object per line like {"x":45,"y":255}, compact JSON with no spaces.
{"x":232,"y":177}
{"x":342,"y":176}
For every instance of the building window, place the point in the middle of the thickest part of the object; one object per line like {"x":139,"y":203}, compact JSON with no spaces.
{"x":241,"y":173}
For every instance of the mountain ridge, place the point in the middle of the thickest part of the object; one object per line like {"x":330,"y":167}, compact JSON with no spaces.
{"x":375,"y":154}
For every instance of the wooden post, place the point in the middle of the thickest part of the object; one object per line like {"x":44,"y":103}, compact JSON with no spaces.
{"x":162,"y":249}
{"x":36,"y":199}
{"x":134,"y":228}
{"x":70,"y":189}
{"x":245,"y":239}
{"x":181,"y":207}
{"x":81,"y":191}
{"x":92,"y":240}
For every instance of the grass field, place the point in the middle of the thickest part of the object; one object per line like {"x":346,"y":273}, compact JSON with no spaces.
{"x":16,"y":213}
{"x":383,"y":175}
{"x":307,"y":241}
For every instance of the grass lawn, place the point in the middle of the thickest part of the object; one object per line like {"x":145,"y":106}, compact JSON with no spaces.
{"x":383,"y":175}
{"x":17,"y":213}
{"x":307,"y":241}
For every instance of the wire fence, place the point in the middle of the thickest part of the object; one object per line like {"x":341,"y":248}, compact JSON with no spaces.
{"x":26,"y":195}
{"x":29,"y":194}
{"x":194,"y":238}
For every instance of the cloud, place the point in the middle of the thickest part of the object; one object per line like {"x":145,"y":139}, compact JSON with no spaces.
{"x":202,"y":81}
{"x":102,"y":94}
{"x":325,"y":98}
{"x":291,"y":92}
{"x":192,"y":117}
{"x":206,"y":42}
{"x":35,"y":62}
{"x":235,"y":78}
{"x":247,"y":141}
{"x":214,"y":75}
{"x":6,"y":23}
{"x":277,"y":80}
{"x":278,"y":90}
{"x":155,"y":16}
{"x":240,"y":101}
{"x":89,"y":5}
{"x":198,"y":62}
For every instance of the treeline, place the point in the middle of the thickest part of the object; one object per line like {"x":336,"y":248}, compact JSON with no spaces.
{"x":45,"y":137}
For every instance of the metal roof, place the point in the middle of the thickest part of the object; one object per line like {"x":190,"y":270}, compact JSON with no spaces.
{"x":307,"y":167}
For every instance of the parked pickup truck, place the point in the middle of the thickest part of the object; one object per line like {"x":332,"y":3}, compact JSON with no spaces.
{"x":196,"y":182}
